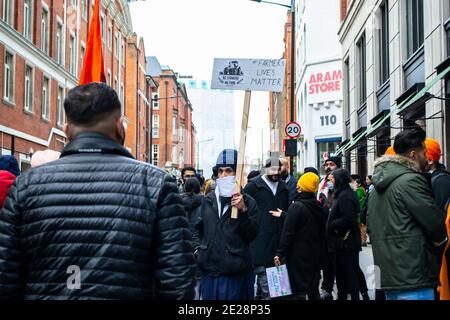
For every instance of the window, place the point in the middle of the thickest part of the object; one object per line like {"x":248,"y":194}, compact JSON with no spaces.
{"x":448,"y":41}
{"x":155,"y":126}
{"x":72,"y":55}
{"x":74,"y":3}
{"x":109,"y":78}
{"x":415,"y":31}
{"x":82,"y":54}
{"x":84,"y":9}
{"x":155,"y":154}
{"x":45,"y":31}
{"x":323,"y":147}
{"x":116,"y":88}
{"x":174,"y":153}
{"x":110,"y":35}
{"x":103,"y":27}
{"x":362,"y":69}
{"x":59,"y":43}
{"x":8,"y":82}
{"x":123,"y":53}
{"x":384,"y":43}
{"x":29,"y":88}
{"x":122,"y":97}
{"x":8,"y":11}
{"x":60,"y":100}
{"x":347,"y":89}
{"x":155,"y":101}
{"x":174,"y":125}
{"x":116,"y":40}
{"x":27,"y":19}
{"x":181,"y":133}
{"x":45,"y":101}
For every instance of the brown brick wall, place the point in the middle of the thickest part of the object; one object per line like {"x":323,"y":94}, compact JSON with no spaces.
{"x":14,"y":116}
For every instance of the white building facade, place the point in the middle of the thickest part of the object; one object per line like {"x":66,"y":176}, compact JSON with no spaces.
{"x":319,"y":81}
{"x":213,"y":117}
{"x":395,"y":66}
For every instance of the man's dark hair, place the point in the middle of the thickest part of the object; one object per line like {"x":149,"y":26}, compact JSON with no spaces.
{"x":192,"y":185}
{"x":87,"y":104}
{"x":355,"y":177}
{"x":272,"y":162}
{"x":311,"y":169}
{"x":187,"y":169}
{"x":408,"y":140}
{"x":215,"y":173}
{"x":370,"y":177}
{"x":253,"y":174}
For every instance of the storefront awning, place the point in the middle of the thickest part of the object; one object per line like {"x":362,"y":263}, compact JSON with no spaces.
{"x":397,"y":109}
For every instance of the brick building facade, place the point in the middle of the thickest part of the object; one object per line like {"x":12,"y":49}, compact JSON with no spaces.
{"x":173,"y":132}
{"x":280,"y":103}
{"x":42,"y":46}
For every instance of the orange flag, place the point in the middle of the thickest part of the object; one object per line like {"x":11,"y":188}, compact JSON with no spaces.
{"x":94,"y":66}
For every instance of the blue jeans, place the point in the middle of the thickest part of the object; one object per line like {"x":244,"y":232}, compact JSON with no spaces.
{"x":419,"y":294}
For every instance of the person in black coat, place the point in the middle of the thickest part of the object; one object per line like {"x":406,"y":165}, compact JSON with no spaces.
{"x":222,"y":244}
{"x":95,"y":224}
{"x":270,"y":194}
{"x":303,"y":240}
{"x":344,"y":234}
{"x":192,"y":201}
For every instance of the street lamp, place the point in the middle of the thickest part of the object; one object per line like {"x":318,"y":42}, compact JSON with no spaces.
{"x":292,"y":10}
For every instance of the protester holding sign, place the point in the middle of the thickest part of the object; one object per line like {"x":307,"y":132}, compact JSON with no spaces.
{"x":222,"y":244}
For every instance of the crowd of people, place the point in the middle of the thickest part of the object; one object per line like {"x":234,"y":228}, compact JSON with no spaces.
{"x":135,"y":232}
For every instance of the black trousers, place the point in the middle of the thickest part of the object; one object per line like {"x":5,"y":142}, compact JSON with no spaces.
{"x":329,"y":271}
{"x":346,"y":274}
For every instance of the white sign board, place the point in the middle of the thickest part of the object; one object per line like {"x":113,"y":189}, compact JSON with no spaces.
{"x":249,"y":74}
{"x":278,"y":281}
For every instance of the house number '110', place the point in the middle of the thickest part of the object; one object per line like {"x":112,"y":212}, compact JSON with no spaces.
{"x":328,"y":120}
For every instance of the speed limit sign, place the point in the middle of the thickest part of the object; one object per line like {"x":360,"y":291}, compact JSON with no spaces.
{"x":293,"y":130}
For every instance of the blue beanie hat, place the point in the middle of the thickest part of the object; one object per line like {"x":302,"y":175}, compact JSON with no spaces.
{"x":227,"y":158}
{"x":9,"y":163}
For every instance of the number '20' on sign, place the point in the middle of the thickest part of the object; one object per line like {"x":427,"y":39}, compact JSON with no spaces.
{"x":293,"y":130}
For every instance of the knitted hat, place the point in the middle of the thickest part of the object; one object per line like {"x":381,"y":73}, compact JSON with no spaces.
{"x":227,"y":158}
{"x":433,"y":149}
{"x":43,"y":157}
{"x":9,"y":163}
{"x":309,"y":182}
{"x":390,"y":151}
{"x":336,"y":160}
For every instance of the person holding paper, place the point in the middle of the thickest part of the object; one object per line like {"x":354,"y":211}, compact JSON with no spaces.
{"x":270,"y":194}
{"x":222,"y":244}
{"x":303,"y":240}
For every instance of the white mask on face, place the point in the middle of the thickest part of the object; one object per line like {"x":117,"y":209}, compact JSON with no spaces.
{"x":226,"y":186}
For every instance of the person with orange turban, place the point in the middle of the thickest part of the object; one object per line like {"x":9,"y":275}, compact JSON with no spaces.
{"x":390,"y":151}
{"x":440,"y":177}
{"x":440,"y":184}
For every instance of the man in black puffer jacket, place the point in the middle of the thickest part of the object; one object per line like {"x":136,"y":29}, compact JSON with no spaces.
{"x":95,"y":224}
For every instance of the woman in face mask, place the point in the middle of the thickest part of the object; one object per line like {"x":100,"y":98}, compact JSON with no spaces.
{"x":343,"y":232}
{"x":222,"y":243}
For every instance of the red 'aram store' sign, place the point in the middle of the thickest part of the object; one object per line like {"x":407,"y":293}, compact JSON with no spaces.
{"x":325,"y":82}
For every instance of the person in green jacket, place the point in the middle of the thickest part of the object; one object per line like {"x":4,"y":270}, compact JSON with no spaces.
{"x":404,"y":222}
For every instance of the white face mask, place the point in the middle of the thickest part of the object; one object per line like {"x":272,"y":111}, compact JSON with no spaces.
{"x":226,"y":186}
